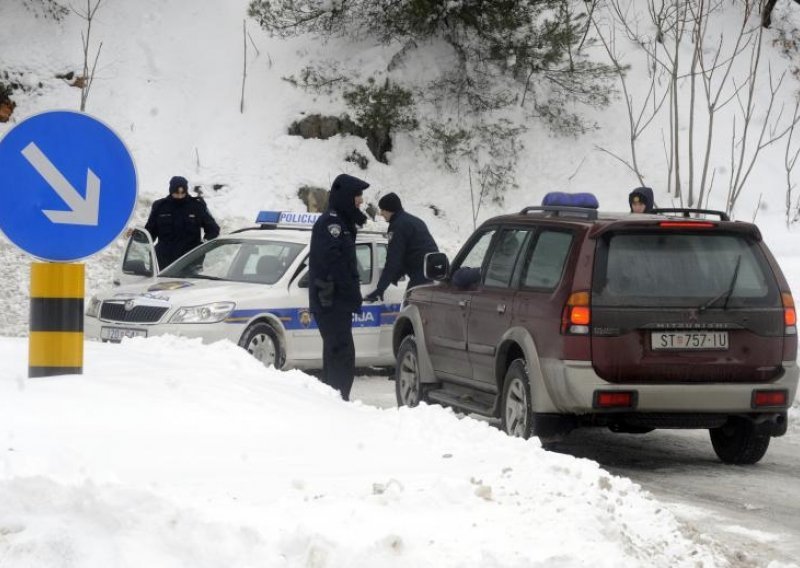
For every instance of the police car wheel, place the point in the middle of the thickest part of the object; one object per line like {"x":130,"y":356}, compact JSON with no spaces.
{"x":517,"y":413}
{"x":408,"y":387}
{"x":261,"y":341}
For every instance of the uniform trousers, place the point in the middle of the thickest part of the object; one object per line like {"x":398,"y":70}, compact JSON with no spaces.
{"x":338,"y":350}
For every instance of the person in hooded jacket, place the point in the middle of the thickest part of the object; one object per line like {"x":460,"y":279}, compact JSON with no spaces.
{"x":409,"y":242}
{"x":641,"y":200}
{"x":175,"y":223}
{"x":334,"y":290}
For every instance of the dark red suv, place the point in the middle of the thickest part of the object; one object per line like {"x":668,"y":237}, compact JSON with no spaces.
{"x":561,"y":317}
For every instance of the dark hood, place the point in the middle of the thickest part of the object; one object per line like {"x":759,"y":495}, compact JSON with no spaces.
{"x":646,"y":195}
{"x":344,"y":190}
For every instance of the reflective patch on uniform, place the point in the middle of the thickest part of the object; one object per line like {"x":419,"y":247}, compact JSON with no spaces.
{"x":389,"y":236}
{"x":335,"y":230}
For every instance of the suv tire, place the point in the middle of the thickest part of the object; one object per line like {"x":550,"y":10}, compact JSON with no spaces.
{"x":261,"y":341}
{"x":407,"y":384}
{"x":737,"y":442}
{"x":516,"y":409}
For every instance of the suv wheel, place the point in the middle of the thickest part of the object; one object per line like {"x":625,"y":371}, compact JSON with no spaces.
{"x":261,"y":342}
{"x":517,"y":413}
{"x":407,"y":384}
{"x":737,"y":442}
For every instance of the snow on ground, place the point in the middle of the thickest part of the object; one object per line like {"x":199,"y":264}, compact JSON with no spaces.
{"x":169,"y":453}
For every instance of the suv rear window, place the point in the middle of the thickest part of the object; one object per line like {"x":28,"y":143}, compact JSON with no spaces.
{"x":663,"y":269}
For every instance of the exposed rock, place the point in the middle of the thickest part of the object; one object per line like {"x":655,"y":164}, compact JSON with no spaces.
{"x":324,"y":127}
{"x":379,"y":141}
{"x":7,"y":107}
{"x":314,"y":198}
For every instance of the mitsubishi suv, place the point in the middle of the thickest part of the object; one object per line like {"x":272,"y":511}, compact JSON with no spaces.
{"x":559,"y":317}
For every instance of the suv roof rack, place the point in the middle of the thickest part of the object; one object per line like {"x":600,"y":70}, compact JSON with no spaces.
{"x":562,"y":211}
{"x":687,"y":212}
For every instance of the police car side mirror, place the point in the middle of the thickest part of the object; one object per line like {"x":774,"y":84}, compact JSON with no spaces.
{"x":436,"y":266}
{"x":137,"y":267}
{"x":303,"y":282}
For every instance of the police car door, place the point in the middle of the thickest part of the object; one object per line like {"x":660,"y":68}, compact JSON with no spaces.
{"x":305,"y":342}
{"x":367,"y":324}
{"x":392,"y":301}
{"x":138,"y":262}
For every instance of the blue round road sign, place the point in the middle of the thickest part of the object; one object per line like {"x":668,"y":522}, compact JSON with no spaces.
{"x":67,"y":186}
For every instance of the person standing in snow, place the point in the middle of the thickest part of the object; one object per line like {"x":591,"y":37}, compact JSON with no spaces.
{"x":334,"y":291}
{"x":409,"y":242}
{"x":641,"y":200}
{"x":175,"y":223}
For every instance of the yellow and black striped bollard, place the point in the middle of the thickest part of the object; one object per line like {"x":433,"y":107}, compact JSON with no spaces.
{"x":55,"y":346}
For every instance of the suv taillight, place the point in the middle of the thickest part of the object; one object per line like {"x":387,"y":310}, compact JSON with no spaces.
{"x":577,"y":315}
{"x":789,"y":314}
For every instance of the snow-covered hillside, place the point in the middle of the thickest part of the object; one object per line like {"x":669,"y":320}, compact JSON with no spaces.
{"x":169,"y":82}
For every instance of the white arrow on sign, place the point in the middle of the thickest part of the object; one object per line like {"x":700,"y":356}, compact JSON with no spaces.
{"x":82,"y":211}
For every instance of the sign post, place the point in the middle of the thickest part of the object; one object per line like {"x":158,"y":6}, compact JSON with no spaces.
{"x":67,"y":190}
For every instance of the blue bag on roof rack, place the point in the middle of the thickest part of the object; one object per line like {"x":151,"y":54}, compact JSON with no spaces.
{"x":562,"y":199}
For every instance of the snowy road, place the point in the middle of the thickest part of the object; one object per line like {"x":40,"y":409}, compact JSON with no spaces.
{"x":753,"y":510}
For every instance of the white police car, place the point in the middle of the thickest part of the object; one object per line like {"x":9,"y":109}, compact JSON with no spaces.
{"x":251,"y":287}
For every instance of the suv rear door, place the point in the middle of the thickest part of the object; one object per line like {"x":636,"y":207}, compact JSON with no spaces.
{"x":685,"y":305}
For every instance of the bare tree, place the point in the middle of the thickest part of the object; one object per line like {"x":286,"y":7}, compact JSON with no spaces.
{"x":244,"y":70}
{"x":709,"y":75}
{"x":638,"y":118}
{"x":86,"y":79}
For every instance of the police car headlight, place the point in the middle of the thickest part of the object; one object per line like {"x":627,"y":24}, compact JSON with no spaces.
{"x":207,"y":313}
{"x":93,"y":309}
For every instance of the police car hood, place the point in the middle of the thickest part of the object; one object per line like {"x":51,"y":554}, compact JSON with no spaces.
{"x":185,"y":291}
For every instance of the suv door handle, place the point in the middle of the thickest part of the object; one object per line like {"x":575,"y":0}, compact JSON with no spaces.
{"x":501,"y":308}
{"x":463,"y":303}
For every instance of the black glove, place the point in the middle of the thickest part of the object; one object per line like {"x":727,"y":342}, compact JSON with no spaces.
{"x":324,"y":292}
{"x":374,"y":296}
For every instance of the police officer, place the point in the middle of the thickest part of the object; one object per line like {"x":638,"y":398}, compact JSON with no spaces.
{"x":409,"y":242}
{"x":175,"y":222}
{"x":334,"y":291}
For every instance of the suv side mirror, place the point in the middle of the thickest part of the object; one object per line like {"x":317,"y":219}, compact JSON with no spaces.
{"x":436,"y":266}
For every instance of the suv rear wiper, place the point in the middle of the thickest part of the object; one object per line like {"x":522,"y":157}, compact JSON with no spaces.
{"x":727,"y":292}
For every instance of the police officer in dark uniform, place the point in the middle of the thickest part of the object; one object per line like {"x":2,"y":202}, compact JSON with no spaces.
{"x":334,"y":291}
{"x":175,"y":222}
{"x":409,"y":242}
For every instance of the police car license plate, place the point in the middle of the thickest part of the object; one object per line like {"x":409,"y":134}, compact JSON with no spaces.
{"x":117,"y":333}
{"x":708,"y":340}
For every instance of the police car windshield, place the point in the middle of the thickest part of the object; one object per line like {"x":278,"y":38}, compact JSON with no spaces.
{"x":237,"y":260}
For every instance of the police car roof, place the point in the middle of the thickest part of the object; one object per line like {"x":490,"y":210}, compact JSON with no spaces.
{"x":294,"y":226}
{"x":292,"y":235}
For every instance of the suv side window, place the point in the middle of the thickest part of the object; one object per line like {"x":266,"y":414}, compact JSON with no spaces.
{"x":546,"y":262}
{"x":474,"y":258}
{"x":504,"y":258}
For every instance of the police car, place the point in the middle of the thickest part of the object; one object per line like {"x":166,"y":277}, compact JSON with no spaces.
{"x":250,"y":287}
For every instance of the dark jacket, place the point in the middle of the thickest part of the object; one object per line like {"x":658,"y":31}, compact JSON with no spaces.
{"x":175,"y":225}
{"x":646,"y":195}
{"x":409,"y":242}
{"x":333,"y":283}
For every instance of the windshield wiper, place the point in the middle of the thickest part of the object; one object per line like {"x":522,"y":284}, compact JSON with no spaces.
{"x":725,"y":293}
